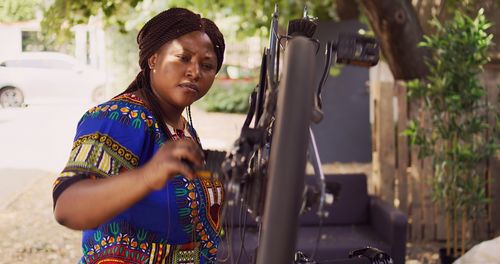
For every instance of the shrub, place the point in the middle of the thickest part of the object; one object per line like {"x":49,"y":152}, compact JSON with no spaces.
{"x":227,"y":98}
{"x":453,"y":135}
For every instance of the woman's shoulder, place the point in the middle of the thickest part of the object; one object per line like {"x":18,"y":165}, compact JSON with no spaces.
{"x":127,"y":100}
{"x":127,"y":109}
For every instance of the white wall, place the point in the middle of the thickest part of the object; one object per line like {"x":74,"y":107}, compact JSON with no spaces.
{"x":11,"y":38}
{"x":10,"y":41}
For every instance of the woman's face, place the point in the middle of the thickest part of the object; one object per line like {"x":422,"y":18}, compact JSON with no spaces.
{"x":183,"y":70}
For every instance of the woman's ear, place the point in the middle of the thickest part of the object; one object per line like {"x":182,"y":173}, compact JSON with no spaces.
{"x":152,"y":61}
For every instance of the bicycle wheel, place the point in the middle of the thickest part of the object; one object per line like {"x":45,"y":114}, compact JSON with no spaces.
{"x":288,"y":153}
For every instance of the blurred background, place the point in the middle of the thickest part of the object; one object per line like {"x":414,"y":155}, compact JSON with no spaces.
{"x":58,"y":58}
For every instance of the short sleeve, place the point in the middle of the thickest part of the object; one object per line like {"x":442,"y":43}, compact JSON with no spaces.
{"x":111,"y":138}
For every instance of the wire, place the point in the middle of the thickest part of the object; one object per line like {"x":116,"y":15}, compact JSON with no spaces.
{"x":324,"y":77}
{"x":318,"y":238}
{"x":243,"y":227}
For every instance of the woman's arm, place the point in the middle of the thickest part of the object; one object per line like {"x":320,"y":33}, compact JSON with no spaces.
{"x":88,"y":203}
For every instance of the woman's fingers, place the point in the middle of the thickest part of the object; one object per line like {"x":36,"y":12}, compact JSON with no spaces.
{"x":177,"y":167}
{"x":186,"y":153}
{"x":185,"y":149}
{"x":179,"y":157}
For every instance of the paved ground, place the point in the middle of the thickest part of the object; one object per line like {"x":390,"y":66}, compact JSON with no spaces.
{"x":28,"y":230}
{"x":34,"y":145}
{"x":39,"y":137}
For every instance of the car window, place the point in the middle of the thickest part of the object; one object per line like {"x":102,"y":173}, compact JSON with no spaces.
{"x":39,"y":63}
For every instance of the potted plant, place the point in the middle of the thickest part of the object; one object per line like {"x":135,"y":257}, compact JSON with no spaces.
{"x":454,"y":124}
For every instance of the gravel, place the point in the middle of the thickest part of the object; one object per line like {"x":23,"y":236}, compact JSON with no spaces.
{"x":29,"y":232}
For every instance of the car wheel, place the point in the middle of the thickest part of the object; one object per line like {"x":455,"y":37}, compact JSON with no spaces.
{"x":11,"y":97}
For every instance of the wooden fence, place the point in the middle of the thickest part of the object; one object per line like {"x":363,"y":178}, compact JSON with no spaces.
{"x":400,"y":177}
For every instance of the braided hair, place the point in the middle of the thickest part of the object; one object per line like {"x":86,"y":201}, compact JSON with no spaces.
{"x":164,"y":27}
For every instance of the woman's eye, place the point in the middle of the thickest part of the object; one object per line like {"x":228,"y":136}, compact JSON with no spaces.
{"x":183,"y":58}
{"x":207,"y":66}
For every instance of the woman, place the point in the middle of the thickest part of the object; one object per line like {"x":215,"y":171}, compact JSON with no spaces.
{"x":129,"y":183}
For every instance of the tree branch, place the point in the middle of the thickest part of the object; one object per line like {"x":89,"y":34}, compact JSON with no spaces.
{"x":399,"y":32}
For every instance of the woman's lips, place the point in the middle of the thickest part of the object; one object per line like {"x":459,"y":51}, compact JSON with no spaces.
{"x":191,"y":86}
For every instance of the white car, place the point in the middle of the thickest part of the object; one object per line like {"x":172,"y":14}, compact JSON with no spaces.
{"x":31,"y":76}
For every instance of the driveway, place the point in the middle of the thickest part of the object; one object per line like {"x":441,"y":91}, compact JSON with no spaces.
{"x":34,"y":144}
{"x":36,"y":140}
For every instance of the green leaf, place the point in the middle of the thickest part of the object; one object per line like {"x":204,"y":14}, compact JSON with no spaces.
{"x":451,"y":129}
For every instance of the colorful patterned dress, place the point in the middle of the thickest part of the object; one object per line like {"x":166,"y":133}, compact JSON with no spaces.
{"x":177,"y":224}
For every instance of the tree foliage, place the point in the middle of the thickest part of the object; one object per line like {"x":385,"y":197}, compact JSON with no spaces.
{"x":62,"y":15}
{"x":254,"y":16}
{"x":253,"y":19}
{"x":18,"y":10}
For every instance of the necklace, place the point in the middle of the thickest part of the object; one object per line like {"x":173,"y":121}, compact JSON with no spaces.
{"x":177,"y":134}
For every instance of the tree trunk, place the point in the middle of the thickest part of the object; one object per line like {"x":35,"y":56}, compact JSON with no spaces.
{"x":399,"y":32}
{"x":347,"y":9}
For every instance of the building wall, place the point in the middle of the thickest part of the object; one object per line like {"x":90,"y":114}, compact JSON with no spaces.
{"x":344,"y":135}
{"x":92,"y":53}
{"x":11,"y":37}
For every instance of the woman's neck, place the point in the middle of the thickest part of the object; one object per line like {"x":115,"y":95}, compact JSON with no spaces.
{"x":171,"y":115}
{"x":173,"y":118}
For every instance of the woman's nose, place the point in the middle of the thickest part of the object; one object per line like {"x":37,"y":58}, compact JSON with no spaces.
{"x":193,"y":71}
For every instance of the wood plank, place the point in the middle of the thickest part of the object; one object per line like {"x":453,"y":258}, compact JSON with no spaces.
{"x":412,"y":206}
{"x":413,"y":199}
{"x":427,"y":174}
{"x":421,"y":182}
{"x":384,"y":182}
{"x":494,"y":190}
{"x":402,"y":147}
{"x":416,"y":200}
{"x":490,"y":79}
{"x":386,"y":146}
{"x":374,"y":181}
{"x":440,"y":223}
{"x":374,"y":95}
{"x":482,"y":225}
{"x":397,"y":174}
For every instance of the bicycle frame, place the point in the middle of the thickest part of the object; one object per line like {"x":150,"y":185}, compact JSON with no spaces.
{"x":283,"y":118}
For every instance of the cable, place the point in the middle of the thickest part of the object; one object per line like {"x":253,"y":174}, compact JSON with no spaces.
{"x":242,"y":234}
{"x":318,"y":238}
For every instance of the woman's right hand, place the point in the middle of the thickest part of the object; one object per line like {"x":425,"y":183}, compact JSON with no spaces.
{"x":170,"y":160}
{"x":80,"y":206}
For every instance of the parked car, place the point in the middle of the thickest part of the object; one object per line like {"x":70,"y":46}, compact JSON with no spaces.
{"x":31,"y":76}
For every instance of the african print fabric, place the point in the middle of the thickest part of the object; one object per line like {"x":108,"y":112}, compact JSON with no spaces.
{"x":177,"y":224}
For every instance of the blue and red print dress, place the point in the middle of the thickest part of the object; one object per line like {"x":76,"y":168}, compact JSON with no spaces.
{"x":177,"y":224}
